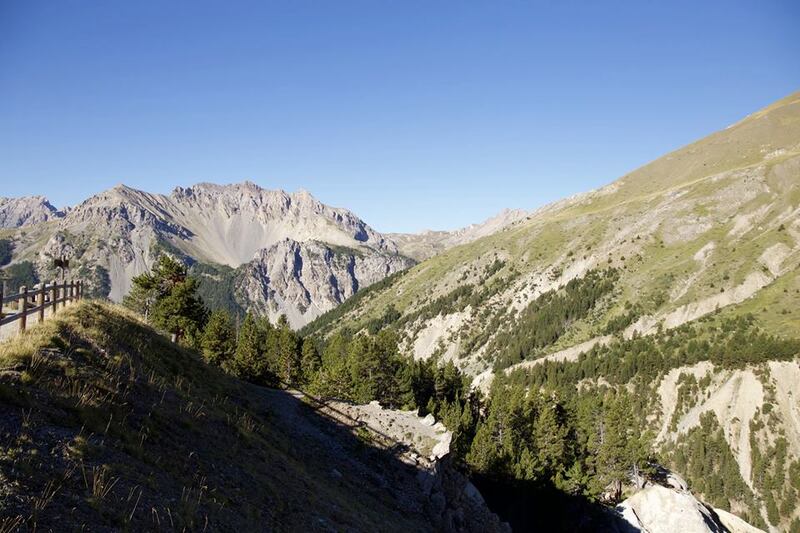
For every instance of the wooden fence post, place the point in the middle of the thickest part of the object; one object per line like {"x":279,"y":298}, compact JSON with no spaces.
{"x":78,"y":290}
{"x":40,"y":301}
{"x":23,"y":307}
{"x":54,"y":295}
{"x":2,"y":295}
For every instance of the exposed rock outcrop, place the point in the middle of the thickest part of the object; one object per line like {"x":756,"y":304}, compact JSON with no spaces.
{"x":659,"y":509}
{"x":444,"y":493}
{"x":302,"y":280}
{"x":298,"y":256}
{"x":18,"y":212}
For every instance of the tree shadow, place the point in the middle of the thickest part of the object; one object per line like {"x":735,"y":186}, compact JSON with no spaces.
{"x":442,"y":491}
{"x":373,"y":464}
{"x":529,"y":506}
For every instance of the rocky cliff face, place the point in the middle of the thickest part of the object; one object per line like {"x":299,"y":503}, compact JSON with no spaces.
{"x":302,"y":280}
{"x":18,"y":212}
{"x":231,"y":223}
{"x":294,"y":254}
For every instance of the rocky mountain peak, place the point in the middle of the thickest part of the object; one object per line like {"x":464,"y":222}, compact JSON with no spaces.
{"x":295,"y":255}
{"x":26,"y":210}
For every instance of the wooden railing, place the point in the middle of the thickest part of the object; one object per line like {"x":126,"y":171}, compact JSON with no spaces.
{"x":37,"y":300}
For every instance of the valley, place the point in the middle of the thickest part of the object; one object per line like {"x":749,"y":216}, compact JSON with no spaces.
{"x":605,"y":362}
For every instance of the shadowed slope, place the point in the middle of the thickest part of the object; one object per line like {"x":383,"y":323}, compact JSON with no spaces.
{"x":107,"y":424}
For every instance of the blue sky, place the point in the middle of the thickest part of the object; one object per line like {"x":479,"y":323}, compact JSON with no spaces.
{"x":413,"y":114}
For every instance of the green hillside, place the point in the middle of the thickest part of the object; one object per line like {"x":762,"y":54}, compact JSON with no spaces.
{"x":718,"y":217}
{"x":678,"y":283}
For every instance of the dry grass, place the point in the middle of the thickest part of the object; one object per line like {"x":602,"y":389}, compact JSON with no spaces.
{"x":156,"y":438}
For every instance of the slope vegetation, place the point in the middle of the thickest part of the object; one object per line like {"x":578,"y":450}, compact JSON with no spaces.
{"x":106,"y":424}
{"x":703,"y":236}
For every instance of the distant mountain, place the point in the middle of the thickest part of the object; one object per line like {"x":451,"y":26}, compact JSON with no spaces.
{"x":426,"y":244}
{"x":17,"y":212}
{"x":668,"y":281}
{"x":280,"y":253}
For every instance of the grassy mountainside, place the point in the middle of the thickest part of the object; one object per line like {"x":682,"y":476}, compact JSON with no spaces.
{"x":680,"y":230}
{"x":706,"y":234}
{"x":105,"y":423}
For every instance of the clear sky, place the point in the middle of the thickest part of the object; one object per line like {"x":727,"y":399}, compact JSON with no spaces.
{"x":413,"y":114}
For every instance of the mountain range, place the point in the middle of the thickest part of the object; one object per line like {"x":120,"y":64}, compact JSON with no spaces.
{"x":274,"y":252}
{"x":678,"y":283}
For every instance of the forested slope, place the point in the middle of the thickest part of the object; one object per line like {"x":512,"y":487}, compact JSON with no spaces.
{"x":675,"y":288}
{"x":107,"y":425}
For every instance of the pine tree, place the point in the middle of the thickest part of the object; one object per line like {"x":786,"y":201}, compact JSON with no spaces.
{"x":181,"y":312}
{"x":406,"y":391}
{"x":310,"y":361}
{"x":167,"y":298}
{"x":333,"y":380}
{"x":219,"y":338}
{"x":550,"y":437}
{"x":287,"y":355}
{"x":249,"y":362}
{"x":614,"y":457}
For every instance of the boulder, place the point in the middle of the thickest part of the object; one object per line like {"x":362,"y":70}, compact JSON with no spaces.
{"x":660,"y":509}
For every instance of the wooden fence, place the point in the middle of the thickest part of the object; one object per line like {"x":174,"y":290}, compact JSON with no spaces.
{"x":37,"y":300}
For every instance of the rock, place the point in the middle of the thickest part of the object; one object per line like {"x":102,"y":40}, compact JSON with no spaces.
{"x":734,"y":523}
{"x":472,"y":492}
{"x":659,"y":509}
{"x":429,"y":420}
{"x":676,"y":482}
{"x":442,"y":447}
{"x":302,"y":280}
{"x":437,"y":503}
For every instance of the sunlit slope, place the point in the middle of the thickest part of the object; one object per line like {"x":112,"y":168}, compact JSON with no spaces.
{"x":705,"y":227}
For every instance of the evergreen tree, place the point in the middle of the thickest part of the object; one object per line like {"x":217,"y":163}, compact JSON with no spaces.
{"x":6,"y":251}
{"x":168,"y":299}
{"x":181,"y":312}
{"x":287,"y":354}
{"x":550,"y":437}
{"x":333,"y":379}
{"x":620,"y":451}
{"x":310,"y":361}
{"x":219,"y":338}
{"x":249,"y":362}
{"x":19,"y":274}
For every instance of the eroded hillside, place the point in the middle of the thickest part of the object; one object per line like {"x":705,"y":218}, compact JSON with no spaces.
{"x":703,"y":236}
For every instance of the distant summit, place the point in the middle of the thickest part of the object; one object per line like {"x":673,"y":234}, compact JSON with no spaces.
{"x":18,"y":212}
{"x":235,"y":236}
